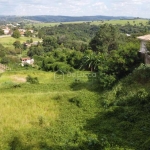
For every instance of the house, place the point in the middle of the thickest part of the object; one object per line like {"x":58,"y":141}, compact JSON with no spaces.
{"x":27,"y":60}
{"x":31,"y":31}
{"x":6,"y":31}
{"x":143,"y":49}
{"x":22,"y":31}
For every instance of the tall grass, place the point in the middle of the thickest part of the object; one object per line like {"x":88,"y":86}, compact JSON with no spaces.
{"x":42,"y":115}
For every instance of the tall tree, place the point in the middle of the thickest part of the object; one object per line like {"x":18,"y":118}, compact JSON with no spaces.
{"x":106,"y":39}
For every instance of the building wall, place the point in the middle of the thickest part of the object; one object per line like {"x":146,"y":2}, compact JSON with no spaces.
{"x":143,"y":48}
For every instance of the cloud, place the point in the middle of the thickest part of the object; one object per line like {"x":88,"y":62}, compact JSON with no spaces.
{"x":138,"y":8}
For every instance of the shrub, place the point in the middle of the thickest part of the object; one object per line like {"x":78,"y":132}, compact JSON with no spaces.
{"x":32,"y":80}
{"x":59,"y":66}
{"x":76,"y":101}
{"x":105,"y":80}
{"x":142,"y":73}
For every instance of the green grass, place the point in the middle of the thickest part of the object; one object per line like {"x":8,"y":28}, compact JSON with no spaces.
{"x":42,"y":111}
{"x":63,"y":113}
{"x":53,"y":24}
{"x":8,"y":41}
{"x":122,"y":22}
{"x":114,"y":22}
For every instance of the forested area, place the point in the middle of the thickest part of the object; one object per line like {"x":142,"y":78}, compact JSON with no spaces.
{"x":103,"y":49}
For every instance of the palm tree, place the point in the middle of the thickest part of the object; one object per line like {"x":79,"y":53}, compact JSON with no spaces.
{"x":91,"y":61}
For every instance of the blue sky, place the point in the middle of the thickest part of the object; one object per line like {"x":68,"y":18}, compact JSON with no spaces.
{"x":136,"y":8}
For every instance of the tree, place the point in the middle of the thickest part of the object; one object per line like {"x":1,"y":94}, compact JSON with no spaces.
{"x":91,"y":61}
{"x":17,"y":44}
{"x":31,"y":40}
{"x":28,"y":33}
{"x":35,"y":50}
{"x":49,"y":43}
{"x":1,"y":32}
{"x":106,"y":39}
{"x":16,"y":34}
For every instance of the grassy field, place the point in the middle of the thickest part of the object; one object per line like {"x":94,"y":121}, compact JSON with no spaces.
{"x":63,"y":113}
{"x":122,"y":22}
{"x":8,"y":41}
{"x":114,"y":22}
{"x":35,"y":114}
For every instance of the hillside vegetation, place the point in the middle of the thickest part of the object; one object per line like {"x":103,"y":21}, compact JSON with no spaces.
{"x":77,"y":116}
{"x":88,"y":89}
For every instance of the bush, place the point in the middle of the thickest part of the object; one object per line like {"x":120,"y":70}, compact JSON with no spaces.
{"x":59,"y":66}
{"x":142,"y":73}
{"x":105,"y":80}
{"x":32,"y":80}
{"x":76,"y":101}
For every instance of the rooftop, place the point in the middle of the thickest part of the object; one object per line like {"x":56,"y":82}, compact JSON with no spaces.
{"x":144,"y":37}
{"x":26,"y":58}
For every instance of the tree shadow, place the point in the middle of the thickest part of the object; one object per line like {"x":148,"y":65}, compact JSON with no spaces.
{"x":123,"y":125}
{"x":91,"y":84}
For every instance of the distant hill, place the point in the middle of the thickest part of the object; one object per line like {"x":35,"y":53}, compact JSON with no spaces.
{"x":47,"y":18}
{"x":72,"y":18}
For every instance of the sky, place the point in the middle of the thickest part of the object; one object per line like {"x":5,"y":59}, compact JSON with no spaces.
{"x":134,"y":8}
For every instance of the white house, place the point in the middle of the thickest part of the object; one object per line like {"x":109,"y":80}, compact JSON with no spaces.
{"x":6,"y":31}
{"x":27,"y":60}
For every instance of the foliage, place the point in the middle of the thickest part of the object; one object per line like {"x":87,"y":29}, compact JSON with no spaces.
{"x":16,"y":34}
{"x":35,"y":50}
{"x":56,"y":66}
{"x":106,"y":39}
{"x":49,"y":43}
{"x":141,"y":74}
{"x":91,"y":61}
{"x":73,"y":113}
{"x":2,"y":51}
{"x":17,"y":44}
{"x":28,"y":34}
{"x":32,"y":80}
{"x":1,"y":32}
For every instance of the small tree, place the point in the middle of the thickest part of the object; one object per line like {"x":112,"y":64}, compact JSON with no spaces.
{"x":31,"y":40}
{"x":16,"y":34}
{"x":17,"y":44}
{"x":28,"y":33}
